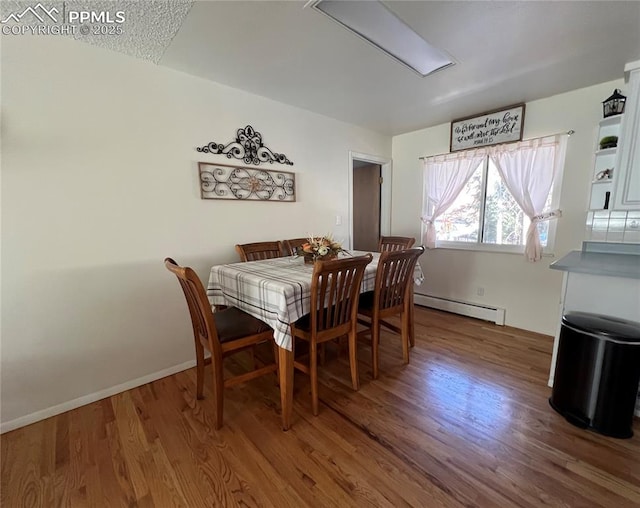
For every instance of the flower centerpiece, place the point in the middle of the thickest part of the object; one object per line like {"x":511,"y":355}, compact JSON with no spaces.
{"x":319,"y":248}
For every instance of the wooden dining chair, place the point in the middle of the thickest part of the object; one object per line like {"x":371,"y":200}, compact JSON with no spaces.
{"x":291,"y":245}
{"x":222,"y":334}
{"x":391,"y":296}
{"x":392,"y":243}
{"x":259,"y":250}
{"x":335,"y":287}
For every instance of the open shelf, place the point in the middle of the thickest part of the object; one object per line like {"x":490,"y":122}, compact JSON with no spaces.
{"x":610,"y":120}
{"x":604,"y":159}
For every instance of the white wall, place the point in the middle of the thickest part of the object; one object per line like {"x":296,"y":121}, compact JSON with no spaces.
{"x":99,"y":184}
{"x":529,"y":292}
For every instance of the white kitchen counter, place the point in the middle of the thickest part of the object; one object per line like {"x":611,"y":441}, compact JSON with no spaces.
{"x":596,"y":258}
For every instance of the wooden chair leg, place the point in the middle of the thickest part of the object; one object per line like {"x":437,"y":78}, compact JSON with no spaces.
{"x":353,"y":359}
{"x":199,"y":370}
{"x":218,"y":393}
{"x":276,"y":354}
{"x":412,"y":329}
{"x":375,"y":344}
{"x":313,"y":374}
{"x":405,"y":331}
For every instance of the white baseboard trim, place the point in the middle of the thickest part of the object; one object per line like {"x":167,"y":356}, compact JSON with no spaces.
{"x":464,"y":308}
{"x":92,"y":397}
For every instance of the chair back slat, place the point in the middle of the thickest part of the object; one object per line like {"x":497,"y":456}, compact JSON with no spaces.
{"x":259,"y":250}
{"x":334,"y":291}
{"x":197,"y":318}
{"x":394,"y":243}
{"x":394,"y":275}
{"x":292,"y":244}
{"x":202,"y":319}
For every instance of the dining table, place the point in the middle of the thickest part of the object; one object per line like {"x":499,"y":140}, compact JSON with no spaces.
{"x":278,"y":292}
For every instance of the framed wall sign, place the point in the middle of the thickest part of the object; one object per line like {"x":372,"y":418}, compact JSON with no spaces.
{"x":491,"y":128}
{"x":221,"y":181}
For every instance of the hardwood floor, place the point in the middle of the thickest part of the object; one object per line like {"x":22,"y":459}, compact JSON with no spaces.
{"x":467,"y":423}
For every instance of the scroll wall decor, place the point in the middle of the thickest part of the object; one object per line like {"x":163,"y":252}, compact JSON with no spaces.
{"x":221,"y":181}
{"x":248,"y":147}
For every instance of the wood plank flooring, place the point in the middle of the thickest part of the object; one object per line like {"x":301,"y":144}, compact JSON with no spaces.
{"x":467,"y":423}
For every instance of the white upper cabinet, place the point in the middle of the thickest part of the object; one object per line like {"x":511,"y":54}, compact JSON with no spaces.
{"x":627,"y":171}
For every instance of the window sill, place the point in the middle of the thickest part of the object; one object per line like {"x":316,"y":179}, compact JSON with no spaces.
{"x":498,"y":249}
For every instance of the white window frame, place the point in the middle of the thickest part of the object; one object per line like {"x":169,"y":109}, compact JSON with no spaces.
{"x":548,"y":250}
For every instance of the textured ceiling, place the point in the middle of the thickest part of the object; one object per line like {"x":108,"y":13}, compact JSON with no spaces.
{"x":147,"y":31}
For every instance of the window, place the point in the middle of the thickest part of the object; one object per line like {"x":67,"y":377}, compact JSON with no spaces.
{"x":485,"y":212}
{"x":487,"y":198}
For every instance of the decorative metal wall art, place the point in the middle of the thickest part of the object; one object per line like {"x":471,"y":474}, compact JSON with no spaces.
{"x":248,"y":147}
{"x":221,"y":181}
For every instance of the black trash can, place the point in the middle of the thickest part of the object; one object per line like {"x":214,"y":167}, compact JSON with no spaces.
{"x":597,"y":373}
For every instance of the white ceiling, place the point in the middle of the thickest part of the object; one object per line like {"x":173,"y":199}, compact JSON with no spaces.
{"x":504,"y":53}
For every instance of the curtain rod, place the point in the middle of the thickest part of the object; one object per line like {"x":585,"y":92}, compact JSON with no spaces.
{"x":568,"y":133}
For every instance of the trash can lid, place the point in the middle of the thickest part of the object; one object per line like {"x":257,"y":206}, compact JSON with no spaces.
{"x":606,"y":327}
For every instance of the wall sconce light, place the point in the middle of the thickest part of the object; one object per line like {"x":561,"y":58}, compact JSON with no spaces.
{"x":614,"y":105}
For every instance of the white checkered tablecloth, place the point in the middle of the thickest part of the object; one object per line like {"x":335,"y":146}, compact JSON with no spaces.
{"x":276,"y":291}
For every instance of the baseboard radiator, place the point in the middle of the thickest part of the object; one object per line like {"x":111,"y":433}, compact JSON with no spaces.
{"x":474,"y":310}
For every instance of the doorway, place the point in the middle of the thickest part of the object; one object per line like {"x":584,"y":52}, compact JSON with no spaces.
{"x":370,"y":200}
{"x":367,"y":180}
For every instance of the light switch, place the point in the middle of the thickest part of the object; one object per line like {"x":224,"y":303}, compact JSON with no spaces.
{"x":338,"y":220}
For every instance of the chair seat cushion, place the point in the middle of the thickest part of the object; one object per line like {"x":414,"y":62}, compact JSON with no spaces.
{"x":304,"y":323}
{"x":365,"y":303}
{"x":233,"y":323}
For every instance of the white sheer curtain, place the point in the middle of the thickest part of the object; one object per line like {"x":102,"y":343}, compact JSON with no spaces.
{"x":528,"y":170}
{"x":444,"y":178}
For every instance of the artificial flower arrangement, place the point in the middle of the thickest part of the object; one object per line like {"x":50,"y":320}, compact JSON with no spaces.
{"x":320,"y":248}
